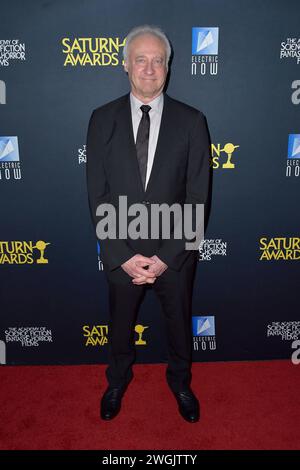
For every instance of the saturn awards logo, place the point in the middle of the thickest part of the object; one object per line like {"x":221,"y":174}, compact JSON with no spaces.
{"x":140,"y":329}
{"x":93,"y":52}
{"x":23,"y":252}
{"x":279,"y":249}
{"x":223,"y":156}
{"x":97,"y":335}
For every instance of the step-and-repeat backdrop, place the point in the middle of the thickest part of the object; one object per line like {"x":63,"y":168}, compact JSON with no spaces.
{"x":237,"y":61}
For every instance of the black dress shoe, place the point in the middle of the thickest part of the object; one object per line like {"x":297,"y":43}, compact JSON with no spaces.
{"x":188,"y":405}
{"x":111,"y":402}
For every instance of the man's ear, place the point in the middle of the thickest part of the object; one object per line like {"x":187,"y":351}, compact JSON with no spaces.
{"x":125,"y":67}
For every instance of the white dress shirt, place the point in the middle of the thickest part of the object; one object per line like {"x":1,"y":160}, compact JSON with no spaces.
{"x":155,"y":114}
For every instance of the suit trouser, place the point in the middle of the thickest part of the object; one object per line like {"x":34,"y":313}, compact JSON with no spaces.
{"x":174,"y":291}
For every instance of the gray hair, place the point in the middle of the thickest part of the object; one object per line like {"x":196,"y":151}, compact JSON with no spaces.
{"x":147,"y":29}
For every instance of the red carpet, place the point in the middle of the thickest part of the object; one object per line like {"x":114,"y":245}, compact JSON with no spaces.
{"x":244,"y":405}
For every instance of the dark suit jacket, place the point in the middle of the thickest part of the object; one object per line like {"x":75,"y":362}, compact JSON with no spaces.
{"x":180,"y":174}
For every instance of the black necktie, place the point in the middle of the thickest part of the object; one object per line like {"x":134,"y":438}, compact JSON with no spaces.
{"x":142,"y":142}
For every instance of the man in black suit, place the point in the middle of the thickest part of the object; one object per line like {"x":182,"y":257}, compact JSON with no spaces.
{"x":153,"y":150}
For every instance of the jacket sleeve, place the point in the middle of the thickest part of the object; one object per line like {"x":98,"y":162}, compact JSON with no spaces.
{"x":173,"y":251}
{"x":114,"y":251}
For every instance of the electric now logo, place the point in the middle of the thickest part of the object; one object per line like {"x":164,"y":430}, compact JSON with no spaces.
{"x":293,"y":155}
{"x":205,"y":41}
{"x":9,"y":149}
{"x":205,"y":47}
{"x":294,"y":146}
{"x":204,"y":326}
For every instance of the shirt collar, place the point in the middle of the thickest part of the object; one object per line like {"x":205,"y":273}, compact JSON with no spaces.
{"x":156,"y":104}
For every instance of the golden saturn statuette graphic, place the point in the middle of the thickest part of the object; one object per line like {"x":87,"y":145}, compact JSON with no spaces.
{"x":229,"y":149}
{"x":139,"y":329}
{"x":41,"y":245}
